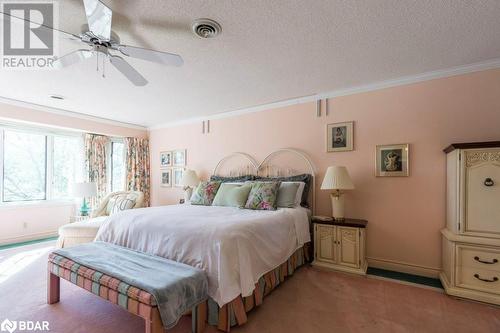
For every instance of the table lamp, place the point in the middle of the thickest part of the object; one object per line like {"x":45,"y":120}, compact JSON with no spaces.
{"x":84,"y":190}
{"x":189,"y":180}
{"x":337,"y":178}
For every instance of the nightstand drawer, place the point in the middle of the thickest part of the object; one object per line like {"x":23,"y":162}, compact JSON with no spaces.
{"x":478,"y":279}
{"x":478,"y":257}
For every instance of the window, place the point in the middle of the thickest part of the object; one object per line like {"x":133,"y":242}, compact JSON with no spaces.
{"x":38,"y":166}
{"x":117,"y":166}
{"x":25,"y":166}
{"x":67,"y":164}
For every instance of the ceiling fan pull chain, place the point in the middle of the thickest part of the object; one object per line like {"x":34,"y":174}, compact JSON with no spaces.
{"x":103,"y":67}
{"x":97,"y":69}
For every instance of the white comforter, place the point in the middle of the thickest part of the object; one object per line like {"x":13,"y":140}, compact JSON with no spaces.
{"x":234,"y":246}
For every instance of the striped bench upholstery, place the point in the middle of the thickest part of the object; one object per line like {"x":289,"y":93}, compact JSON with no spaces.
{"x":134,"y":300}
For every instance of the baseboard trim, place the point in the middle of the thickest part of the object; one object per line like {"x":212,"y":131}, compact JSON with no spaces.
{"x":406,"y":283}
{"x":403,"y":267}
{"x":28,"y":238}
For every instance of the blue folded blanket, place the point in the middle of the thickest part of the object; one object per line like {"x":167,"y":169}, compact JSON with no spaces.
{"x":176,"y":287}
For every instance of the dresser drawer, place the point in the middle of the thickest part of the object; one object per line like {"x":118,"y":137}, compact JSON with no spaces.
{"x":478,"y":257}
{"x":478,"y":279}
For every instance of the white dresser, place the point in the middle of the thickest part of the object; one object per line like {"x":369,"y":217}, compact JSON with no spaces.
{"x":471,"y":239}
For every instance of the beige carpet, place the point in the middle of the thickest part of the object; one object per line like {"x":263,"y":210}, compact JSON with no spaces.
{"x":310,"y":301}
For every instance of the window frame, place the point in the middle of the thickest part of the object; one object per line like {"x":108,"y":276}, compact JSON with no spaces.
{"x":109,"y":170}
{"x":49,"y":163}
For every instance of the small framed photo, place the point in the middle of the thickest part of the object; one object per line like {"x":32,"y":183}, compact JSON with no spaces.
{"x":177,"y":176}
{"x":165,"y":159}
{"x":179,"y":158}
{"x":340,"y":137}
{"x":393,"y":160}
{"x":166,"y":178}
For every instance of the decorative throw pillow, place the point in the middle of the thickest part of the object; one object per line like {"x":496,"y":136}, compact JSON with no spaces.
{"x":287,"y":194}
{"x":232,"y":195}
{"x":306,"y":178}
{"x":119,"y":203}
{"x":263,"y":196}
{"x":205,"y":193}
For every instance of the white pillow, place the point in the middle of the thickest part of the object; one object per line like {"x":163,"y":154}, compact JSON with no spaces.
{"x":300,"y":190}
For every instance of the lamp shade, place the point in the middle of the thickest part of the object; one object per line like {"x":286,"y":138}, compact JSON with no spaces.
{"x":82,"y":190}
{"x":337,"y":178}
{"x":189,"y":179}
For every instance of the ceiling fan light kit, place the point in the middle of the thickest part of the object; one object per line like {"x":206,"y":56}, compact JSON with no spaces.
{"x":103,"y":42}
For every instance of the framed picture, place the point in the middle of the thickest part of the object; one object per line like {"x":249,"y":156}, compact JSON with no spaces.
{"x":177,"y":176}
{"x":393,"y":161}
{"x":166,"y":178}
{"x":339,"y":137}
{"x":179,"y":158}
{"x":165,"y":159}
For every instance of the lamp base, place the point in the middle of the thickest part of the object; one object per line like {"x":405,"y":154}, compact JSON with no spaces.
{"x":84,"y":210}
{"x":337,"y":205}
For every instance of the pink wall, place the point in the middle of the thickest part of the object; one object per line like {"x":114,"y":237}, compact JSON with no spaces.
{"x":37,"y":220}
{"x":16,"y":113}
{"x":405,"y":214}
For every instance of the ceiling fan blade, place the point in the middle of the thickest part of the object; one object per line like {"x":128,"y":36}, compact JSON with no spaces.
{"x":72,"y":58}
{"x":163,"y":58}
{"x":126,"y":69}
{"x":99,"y":18}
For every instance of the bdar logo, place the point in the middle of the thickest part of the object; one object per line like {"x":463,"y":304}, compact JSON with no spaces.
{"x":8,"y":326}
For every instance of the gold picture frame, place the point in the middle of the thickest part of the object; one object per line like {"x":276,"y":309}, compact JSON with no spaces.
{"x":392,"y":160}
{"x":340,"y":137}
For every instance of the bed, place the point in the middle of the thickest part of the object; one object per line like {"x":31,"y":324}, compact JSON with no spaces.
{"x":245,"y":253}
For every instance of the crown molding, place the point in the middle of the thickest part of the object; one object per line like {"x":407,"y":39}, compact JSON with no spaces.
{"x":406,"y":80}
{"x":62,"y":112}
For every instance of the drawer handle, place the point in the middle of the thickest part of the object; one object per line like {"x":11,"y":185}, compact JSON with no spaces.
{"x":494,"y":261}
{"x":489,"y":182}
{"x":495,"y":279}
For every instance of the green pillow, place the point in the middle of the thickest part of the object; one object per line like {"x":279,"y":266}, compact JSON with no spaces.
{"x":286,"y":194}
{"x":232,"y":195}
{"x":205,"y":193}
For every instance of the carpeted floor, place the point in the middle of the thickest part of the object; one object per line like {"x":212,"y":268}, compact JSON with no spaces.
{"x":310,"y":301}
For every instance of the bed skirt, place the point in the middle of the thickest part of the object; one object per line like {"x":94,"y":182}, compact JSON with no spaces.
{"x":235,"y":312}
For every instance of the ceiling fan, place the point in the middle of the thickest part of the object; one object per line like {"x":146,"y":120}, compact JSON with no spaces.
{"x":104,"y":42}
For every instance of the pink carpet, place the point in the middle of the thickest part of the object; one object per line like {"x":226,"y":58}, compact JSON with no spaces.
{"x":310,"y":301}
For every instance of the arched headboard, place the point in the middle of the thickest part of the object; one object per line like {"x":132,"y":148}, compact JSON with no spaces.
{"x":284,"y":162}
{"x":236,"y":164}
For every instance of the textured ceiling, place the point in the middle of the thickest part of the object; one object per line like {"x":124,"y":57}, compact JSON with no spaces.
{"x":269,"y":50}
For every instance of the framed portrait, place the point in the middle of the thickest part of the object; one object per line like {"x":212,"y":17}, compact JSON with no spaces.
{"x":179,"y":158}
{"x":165,"y":159}
{"x":340,"y":137}
{"x":393,"y":160}
{"x":177,"y":176}
{"x":166,"y":178}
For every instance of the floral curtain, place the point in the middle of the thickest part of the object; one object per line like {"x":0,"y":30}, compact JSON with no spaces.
{"x":138,"y":168}
{"x":95,"y":164}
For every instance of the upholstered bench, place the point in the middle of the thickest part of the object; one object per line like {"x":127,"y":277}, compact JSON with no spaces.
{"x":73,"y":265}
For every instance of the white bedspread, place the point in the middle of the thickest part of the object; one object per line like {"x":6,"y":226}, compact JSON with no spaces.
{"x":234,"y":246}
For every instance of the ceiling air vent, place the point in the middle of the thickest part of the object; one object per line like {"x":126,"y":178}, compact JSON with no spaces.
{"x":206,"y":28}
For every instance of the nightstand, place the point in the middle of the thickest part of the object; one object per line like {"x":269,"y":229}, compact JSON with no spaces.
{"x":340,"y":245}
